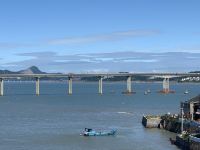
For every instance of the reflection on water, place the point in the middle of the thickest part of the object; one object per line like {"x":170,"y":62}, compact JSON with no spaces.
{"x":54,"y":119}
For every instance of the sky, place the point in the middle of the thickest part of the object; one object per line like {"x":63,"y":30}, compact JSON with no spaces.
{"x":100,"y":35}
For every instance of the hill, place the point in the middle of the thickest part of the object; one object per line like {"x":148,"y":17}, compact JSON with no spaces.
{"x":30,"y":70}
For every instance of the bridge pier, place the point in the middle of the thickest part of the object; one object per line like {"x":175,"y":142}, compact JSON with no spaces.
{"x":101,"y":85}
{"x":2,"y":87}
{"x":166,"y":85}
{"x":129,"y":90}
{"x":166,"y":88}
{"x":70,"y":85}
{"x":37,"y":86}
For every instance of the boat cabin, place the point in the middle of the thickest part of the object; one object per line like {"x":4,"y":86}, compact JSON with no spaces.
{"x":88,"y":130}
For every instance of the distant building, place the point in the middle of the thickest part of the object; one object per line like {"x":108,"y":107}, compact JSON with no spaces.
{"x":191,"y":108}
{"x":190,"y":79}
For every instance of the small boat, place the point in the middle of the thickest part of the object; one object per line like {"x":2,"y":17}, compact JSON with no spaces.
{"x":91,"y":132}
{"x":186,"y":92}
{"x":182,"y":140}
{"x":145,"y":92}
{"x":148,"y":91}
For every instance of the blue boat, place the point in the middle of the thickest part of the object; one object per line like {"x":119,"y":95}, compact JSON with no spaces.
{"x":91,"y":132}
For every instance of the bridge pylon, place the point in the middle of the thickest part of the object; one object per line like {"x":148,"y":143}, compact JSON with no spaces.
{"x":128,"y":86}
{"x":37,"y":86}
{"x":1,"y":87}
{"x":165,"y":85}
{"x":101,"y":85}
{"x":69,"y":85}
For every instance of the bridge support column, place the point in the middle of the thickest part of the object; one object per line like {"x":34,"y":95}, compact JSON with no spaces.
{"x":166,"y":85}
{"x":100,"y":85}
{"x":70,"y":85}
{"x":37,"y":86}
{"x":129,"y":90}
{"x":2,"y":87}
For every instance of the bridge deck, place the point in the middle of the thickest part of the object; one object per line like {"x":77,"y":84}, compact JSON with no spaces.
{"x":98,"y":74}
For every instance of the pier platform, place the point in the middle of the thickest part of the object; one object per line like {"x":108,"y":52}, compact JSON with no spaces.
{"x":151,"y":121}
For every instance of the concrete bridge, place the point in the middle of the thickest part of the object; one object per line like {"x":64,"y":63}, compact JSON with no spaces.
{"x":70,"y":76}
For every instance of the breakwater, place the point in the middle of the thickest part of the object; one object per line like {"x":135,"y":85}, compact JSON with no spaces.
{"x":187,"y":140}
{"x":171,"y":123}
{"x":151,"y":121}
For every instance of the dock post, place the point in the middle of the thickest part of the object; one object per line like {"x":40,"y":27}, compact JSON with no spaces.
{"x":192,"y":111}
{"x":129,"y":85}
{"x":37,"y":86}
{"x":181,"y":120}
{"x":1,"y":86}
{"x":100,"y":85}
{"x":70,"y":85}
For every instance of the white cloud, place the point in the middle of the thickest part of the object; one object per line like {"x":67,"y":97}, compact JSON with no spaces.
{"x":9,"y":65}
{"x":100,"y":70}
{"x":193,"y":57}
{"x":10,"y":45}
{"x":104,"y":59}
{"x":109,"y":62}
{"x":141,"y":60}
{"x":104,"y":37}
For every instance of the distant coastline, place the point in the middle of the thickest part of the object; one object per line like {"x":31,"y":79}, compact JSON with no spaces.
{"x":136,"y":78}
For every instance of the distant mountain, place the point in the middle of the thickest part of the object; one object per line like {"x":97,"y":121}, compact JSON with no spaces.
{"x":6,"y":72}
{"x":31,"y":70}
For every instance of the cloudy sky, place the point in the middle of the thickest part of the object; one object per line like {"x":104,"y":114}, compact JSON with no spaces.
{"x":100,"y":35}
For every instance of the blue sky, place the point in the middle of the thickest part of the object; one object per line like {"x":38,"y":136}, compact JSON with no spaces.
{"x":79,"y":35}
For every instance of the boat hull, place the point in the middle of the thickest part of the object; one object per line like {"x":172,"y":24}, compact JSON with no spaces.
{"x":104,"y":133}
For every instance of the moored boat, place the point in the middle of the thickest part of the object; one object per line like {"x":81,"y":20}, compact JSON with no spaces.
{"x":148,"y":91}
{"x":186,"y":92}
{"x":91,"y":132}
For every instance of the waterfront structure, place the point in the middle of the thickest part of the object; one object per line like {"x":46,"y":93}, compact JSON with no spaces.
{"x":191,"y":108}
{"x":151,"y":121}
{"x":194,"y":141}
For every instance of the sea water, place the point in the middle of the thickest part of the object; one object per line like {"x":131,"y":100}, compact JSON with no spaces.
{"x":54,"y":120}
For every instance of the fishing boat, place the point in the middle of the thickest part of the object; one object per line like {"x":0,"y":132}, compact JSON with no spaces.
{"x":91,"y":132}
{"x":186,"y":92}
{"x":148,"y":91}
{"x":182,"y":140}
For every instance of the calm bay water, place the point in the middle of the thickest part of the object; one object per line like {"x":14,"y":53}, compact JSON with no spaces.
{"x":54,"y":120}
